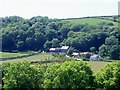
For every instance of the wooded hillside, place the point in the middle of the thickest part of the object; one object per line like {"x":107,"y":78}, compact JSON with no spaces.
{"x":81,"y":34}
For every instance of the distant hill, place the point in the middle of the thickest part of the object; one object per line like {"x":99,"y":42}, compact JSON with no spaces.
{"x":41,"y":33}
{"x":94,"y":20}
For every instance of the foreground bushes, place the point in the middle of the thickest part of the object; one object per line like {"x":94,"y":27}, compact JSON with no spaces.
{"x":22,"y":75}
{"x":109,"y":77}
{"x":69,"y":74}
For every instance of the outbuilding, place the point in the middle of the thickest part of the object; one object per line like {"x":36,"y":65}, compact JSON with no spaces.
{"x":75,"y":54}
{"x":95,"y":57}
{"x":64,"y":48}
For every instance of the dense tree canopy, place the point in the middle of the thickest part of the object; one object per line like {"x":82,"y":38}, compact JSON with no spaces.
{"x":69,"y":75}
{"x":22,"y":75}
{"x":42,"y":33}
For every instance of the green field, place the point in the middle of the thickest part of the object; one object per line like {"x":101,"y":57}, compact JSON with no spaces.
{"x":38,"y":57}
{"x":95,"y":65}
{"x":91,"y":21}
{"x":10,"y":54}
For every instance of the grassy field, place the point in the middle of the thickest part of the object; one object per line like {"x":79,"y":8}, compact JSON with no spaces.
{"x":95,"y":65}
{"x":38,"y":57}
{"x":10,"y":54}
{"x":91,"y":21}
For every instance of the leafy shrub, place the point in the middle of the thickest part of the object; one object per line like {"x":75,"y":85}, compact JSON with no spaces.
{"x":22,"y":75}
{"x":109,"y":77}
{"x":70,"y":74}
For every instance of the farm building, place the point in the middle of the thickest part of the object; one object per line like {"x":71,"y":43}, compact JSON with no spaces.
{"x":54,"y":50}
{"x":64,"y":48}
{"x":95,"y":57}
{"x":75,"y":54}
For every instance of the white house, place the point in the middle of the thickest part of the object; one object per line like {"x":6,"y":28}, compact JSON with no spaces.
{"x":75,"y":54}
{"x":53,"y":50}
{"x":95,"y":57}
{"x":62,"y":49}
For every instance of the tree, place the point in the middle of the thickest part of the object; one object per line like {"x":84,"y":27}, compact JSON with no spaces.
{"x":55,"y":42}
{"x":47,"y":45}
{"x":52,"y":25}
{"x":30,"y":43}
{"x":64,"y":31}
{"x":93,"y":49}
{"x":110,"y":48}
{"x":75,"y":27}
{"x":115,"y":52}
{"x":70,"y":34}
{"x":39,"y":40}
{"x":8,"y":42}
{"x":109,"y":76}
{"x":50,"y":34}
{"x":70,"y":74}
{"x":112,"y":40}
{"x":22,"y":75}
{"x":35,"y":33}
{"x":103,"y":50}
{"x":21,"y":46}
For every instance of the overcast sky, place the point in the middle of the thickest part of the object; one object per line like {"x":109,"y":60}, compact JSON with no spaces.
{"x":58,"y":8}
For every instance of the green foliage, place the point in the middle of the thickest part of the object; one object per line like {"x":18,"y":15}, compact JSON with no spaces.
{"x":112,"y":40}
{"x":20,"y":45}
{"x":109,"y":77}
{"x":55,"y":42}
{"x":103,"y":50}
{"x":70,"y":74}
{"x":110,"y":48}
{"x":50,"y":34}
{"x":22,"y":75}
{"x":93,"y":49}
{"x":42,"y":33}
{"x":115,"y":52}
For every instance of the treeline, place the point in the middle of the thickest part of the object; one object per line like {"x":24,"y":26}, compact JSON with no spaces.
{"x":42,"y":33}
{"x":69,"y":74}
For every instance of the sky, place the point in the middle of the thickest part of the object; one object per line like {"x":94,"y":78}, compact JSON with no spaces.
{"x":58,"y":8}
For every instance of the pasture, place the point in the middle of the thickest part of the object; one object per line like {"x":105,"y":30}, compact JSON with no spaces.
{"x":8,"y":55}
{"x":91,"y":21}
{"x":38,"y":57}
{"x":95,"y":65}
